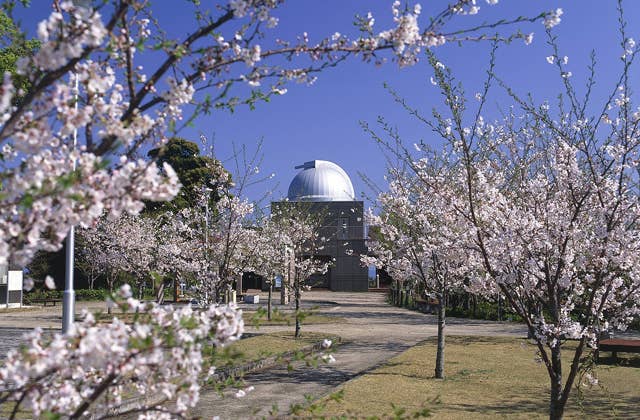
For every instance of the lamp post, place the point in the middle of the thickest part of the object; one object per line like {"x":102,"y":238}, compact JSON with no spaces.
{"x":69,"y":294}
{"x":206,"y":193}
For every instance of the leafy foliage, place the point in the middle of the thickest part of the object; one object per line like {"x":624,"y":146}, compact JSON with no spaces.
{"x":81,"y":294}
{"x":14,"y":46}
{"x":194,"y":171}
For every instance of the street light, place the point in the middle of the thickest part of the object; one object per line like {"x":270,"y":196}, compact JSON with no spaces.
{"x":206,"y":192}
{"x":69,"y":294}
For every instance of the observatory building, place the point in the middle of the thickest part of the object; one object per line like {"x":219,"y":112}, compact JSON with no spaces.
{"x":325,"y":188}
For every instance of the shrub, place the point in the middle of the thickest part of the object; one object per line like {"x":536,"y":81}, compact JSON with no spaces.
{"x":81,"y":294}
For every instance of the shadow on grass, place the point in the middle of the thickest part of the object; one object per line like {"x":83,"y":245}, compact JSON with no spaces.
{"x":611,"y":406}
{"x":623,"y":361}
{"x":407,"y":317}
{"x":597,"y":403}
{"x":598,"y":407}
{"x":466,"y":340}
{"x":506,"y":407}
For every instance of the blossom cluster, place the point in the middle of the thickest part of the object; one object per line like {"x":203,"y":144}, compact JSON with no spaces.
{"x":542,"y":209}
{"x":124,"y":244}
{"x":64,"y":39}
{"x":415,"y":237}
{"x":96,"y":367}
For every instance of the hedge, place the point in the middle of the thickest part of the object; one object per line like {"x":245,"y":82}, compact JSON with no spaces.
{"x":81,"y":294}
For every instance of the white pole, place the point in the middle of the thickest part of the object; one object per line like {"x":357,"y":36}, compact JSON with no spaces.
{"x":69,"y":294}
{"x":206,"y":191}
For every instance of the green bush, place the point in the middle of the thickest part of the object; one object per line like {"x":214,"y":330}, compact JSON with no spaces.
{"x":81,"y":294}
{"x":485,"y":310}
{"x":95,"y":294}
{"x":42,"y":294}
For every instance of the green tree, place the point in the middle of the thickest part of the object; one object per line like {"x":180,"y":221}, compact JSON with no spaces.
{"x":46,"y":263}
{"x":194,"y":170}
{"x":13,"y":46}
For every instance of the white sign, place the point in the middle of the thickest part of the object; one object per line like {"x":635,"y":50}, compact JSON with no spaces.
{"x":15,"y":280}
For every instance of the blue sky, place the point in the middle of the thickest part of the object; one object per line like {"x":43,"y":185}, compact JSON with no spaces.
{"x":322,"y":121}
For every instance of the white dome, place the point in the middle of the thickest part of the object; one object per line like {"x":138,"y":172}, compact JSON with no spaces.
{"x":321,"y":180}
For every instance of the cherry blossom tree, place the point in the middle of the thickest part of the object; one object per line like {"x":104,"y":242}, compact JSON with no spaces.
{"x":94,"y":256}
{"x":272,"y":257}
{"x":227,"y":234}
{"x":550,"y":202}
{"x":414,"y":245}
{"x":127,"y":244}
{"x":179,"y":253}
{"x":99,"y":251}
{"x":300,"y":225}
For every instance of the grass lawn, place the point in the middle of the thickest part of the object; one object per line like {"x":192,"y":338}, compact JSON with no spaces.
{"x":486,"y":377}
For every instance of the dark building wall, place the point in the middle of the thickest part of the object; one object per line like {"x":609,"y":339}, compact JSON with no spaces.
{"x":252,"y":280}
{"x":15,"y":296}
{"x":343,"y":226}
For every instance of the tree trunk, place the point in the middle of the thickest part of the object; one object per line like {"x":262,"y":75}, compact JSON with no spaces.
{"x":283,"y":293}
{"x":440,"y":351}
{"x":110,"y":281}
{"x":175,"y":289}
{"x":160,"y":293}
{"x":297,"y":296}
{"x":557,"y":403}
{"x":269,"y":299}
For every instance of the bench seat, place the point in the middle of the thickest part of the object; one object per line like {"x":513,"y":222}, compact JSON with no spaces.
{"x":616,"y":345}
{"x":44,"y":302}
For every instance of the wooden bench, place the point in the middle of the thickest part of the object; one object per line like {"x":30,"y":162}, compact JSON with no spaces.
{"x":45,"y":302}
{"x":615,"y":345}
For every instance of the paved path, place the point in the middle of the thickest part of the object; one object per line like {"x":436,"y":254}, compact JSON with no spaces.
{"x":373,"y":332}
{"x":47,"y":317}
{"x":14,"y":323}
